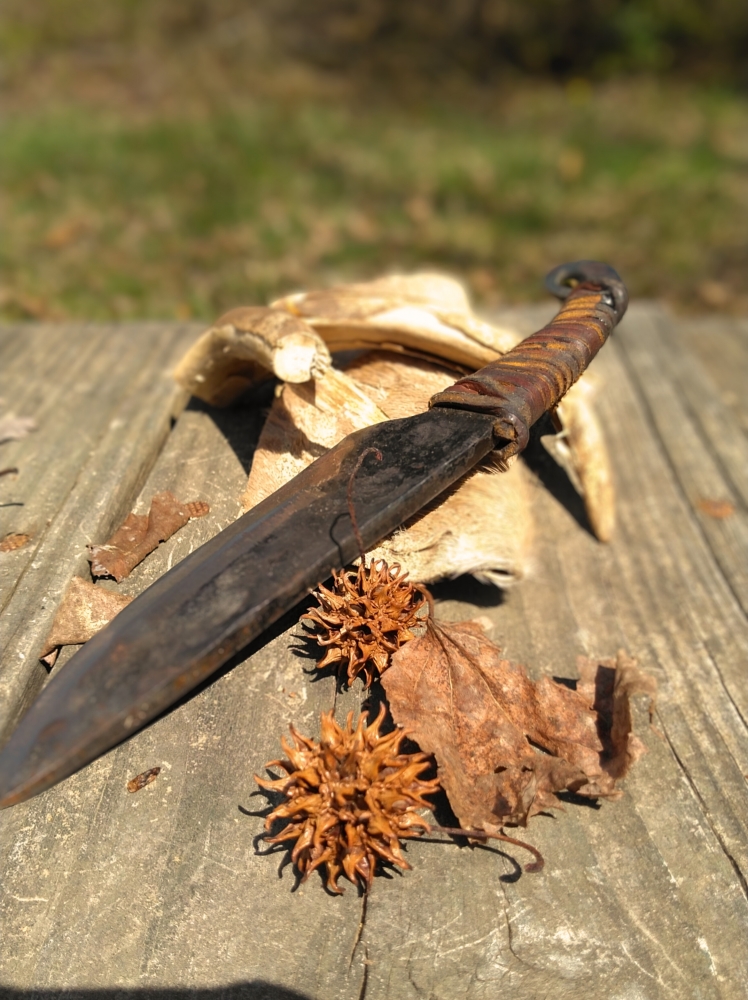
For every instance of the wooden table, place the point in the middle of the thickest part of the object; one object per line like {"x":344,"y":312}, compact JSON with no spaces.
{"x":166,"y":893}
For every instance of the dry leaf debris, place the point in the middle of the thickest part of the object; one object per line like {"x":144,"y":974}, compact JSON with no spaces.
{"x":366,"y":616}
{"x":141,"y":534}
{"x":141,"y":780}
{"x":503,"y":744}
{"x":349,"y":799}
{"x":15,"y":540}
{"x":720,"y":510}
{"x":484,"y":719}
{"x":84,"y":611}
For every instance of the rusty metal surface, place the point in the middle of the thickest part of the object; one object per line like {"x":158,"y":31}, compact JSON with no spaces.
{"x":533,"y":377}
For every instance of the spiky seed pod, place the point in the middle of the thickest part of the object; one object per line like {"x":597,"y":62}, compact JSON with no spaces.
{"x":366,"y":616}
{"x":350,"y":799}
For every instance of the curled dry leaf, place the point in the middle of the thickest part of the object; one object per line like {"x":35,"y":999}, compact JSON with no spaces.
{"x":14,"y":540}
{"x":84,"y":611}
{"x":141,"y":534}
{"x":482,"y":718}
{"x":349,"y":799}
{"x":141,"y":780}
{"x":365,"y":617}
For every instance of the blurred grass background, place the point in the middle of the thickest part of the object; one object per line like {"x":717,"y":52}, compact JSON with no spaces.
{"x":174,"y":159}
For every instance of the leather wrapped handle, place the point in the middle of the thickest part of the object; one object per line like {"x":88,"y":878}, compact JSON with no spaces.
{"x":532,"y":378}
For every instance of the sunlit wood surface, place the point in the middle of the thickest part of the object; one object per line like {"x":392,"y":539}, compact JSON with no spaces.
{"x":167,"y":892}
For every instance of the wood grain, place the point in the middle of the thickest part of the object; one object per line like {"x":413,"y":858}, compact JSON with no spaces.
{"x":103,"y":400}
{"x":167,"y":890}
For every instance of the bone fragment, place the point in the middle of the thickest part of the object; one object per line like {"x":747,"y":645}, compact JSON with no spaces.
{"x":422,"y":313}
{"x":582,"y":452}
{"x":244,"y":347}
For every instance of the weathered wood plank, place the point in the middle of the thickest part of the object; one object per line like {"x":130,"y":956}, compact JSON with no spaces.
{"x":646,"y":897}
{"x":171,"y":836}
{"x":708,"y":368}
{"x":62,"y":379}
{"x":104,"y":400}
{"x":708,"y":452}
{"x":721,"y":347}
{"x":592,"y":599}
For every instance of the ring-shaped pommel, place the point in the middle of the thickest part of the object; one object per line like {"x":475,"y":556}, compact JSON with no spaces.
{"x":562,"y":279}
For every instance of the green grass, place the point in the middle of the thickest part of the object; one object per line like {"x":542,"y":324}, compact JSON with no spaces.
{"x":111,"y":215}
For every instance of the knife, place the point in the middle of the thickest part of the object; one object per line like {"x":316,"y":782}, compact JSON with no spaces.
{"x":224,"y":594}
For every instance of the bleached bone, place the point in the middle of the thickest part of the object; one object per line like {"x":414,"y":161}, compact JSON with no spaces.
{"x":245,"y":346}
{"x":421,"y":313}
{"x":587,"y":461}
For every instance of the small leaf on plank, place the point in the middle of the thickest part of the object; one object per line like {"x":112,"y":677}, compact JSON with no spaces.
{"x":141,"y":534}
{"x":85,"y":610}
{"x":15,"y":540}
{"x":718,"y":509}
{"x":141,"y":780}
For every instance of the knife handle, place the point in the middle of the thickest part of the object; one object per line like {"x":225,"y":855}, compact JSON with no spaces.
{"x":532,"y":378}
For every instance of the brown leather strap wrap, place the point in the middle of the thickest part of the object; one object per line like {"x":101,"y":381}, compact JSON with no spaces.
{"x":533,"y":377}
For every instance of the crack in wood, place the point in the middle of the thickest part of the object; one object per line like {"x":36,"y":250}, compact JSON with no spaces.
{"x":707,"y":816}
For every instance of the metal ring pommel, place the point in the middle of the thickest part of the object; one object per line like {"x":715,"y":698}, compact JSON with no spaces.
{"x":564,"y":278}
{"x":533,"y":377}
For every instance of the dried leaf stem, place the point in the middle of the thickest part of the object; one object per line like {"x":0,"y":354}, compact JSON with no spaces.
{"x":457,"y":831}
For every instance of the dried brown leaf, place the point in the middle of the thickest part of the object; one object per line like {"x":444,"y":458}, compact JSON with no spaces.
{"x":13,"y":541}
{"x":197,"y":508}
{"x":506,"y":745}
{"x":141,"y":780}
{"x":84,"y":611}
{"x":141,"y":534}
{"x":608,"y":685}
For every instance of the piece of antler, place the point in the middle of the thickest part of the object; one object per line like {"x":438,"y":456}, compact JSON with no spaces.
{"x":244,"y":346}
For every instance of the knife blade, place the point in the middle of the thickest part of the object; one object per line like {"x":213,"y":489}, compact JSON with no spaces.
{"x":226,"y":593}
